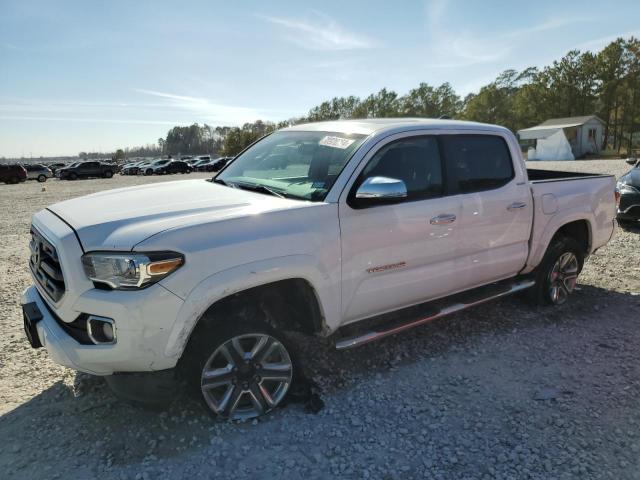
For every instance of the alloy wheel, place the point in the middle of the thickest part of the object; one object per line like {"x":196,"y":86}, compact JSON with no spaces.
{"x":246,"y":376}
{"x":563,"y":278}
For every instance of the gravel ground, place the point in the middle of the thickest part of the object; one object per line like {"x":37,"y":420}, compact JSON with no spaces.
{"x":505,"y":390}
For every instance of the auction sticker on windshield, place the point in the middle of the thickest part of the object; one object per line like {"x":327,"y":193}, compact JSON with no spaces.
{"x":335,"y":142}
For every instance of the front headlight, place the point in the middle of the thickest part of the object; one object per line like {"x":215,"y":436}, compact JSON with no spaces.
{"x":130,"y":270}
{"x":625,"y":188}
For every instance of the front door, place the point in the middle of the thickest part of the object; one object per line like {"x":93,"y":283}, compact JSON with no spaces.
{"x":401,"y":254}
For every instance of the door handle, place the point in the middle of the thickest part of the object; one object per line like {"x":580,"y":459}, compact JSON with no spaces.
{"x":516,"y":206}
{"x":443,"y":219}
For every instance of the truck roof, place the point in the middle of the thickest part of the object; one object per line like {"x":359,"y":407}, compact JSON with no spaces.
{"x":389,"y":125}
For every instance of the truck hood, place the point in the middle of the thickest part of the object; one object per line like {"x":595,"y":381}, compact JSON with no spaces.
{"x":120,"y":219}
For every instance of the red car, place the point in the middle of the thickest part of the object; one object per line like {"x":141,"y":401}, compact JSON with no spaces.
{"x":12,"y":173}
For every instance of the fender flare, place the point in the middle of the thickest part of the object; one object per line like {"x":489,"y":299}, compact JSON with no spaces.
{"x":222,"y":284}
{"x":552,"y":228}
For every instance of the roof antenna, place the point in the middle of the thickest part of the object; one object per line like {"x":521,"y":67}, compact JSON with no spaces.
{"x":444,"y":117}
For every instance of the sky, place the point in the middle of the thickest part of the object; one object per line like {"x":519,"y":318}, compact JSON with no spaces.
{"x":95,"y":76}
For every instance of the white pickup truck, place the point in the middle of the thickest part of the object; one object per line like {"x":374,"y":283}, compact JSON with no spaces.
{"x":350,"y":229}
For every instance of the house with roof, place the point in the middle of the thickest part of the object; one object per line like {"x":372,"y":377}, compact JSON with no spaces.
{"x":584,"y":134}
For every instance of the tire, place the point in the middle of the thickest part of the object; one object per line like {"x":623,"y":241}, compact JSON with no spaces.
{"x":108,"y":174}
{"x":557,"y":274}
{"x":42,"y":178}
{"x":225,"y":364}
{"x":14,"y":180}
{"x":188,"y":171}
{"x":73,"y":176}
{"x":148,"y":172}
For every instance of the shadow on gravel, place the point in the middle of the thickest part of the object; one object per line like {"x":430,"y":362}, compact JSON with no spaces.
{"x":90,"y":422}
{"x":630,"y":227}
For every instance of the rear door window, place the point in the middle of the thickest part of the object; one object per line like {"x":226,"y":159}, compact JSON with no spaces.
{"x":476,"y":163}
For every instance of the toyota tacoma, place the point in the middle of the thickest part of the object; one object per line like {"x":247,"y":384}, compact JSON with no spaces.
{"x":352,"y":230}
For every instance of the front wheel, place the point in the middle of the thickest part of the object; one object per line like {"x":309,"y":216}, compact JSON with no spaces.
{"x":108,"y":174}
{"x":240,"y":371}
{"x":557,"y":274}
{"x":42,"y":178}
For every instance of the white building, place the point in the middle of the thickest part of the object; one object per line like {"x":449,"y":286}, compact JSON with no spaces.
{"x":584,"y":135}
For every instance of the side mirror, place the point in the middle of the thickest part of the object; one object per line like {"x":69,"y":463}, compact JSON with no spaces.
{"x":631,"y":161}
{"x":381,"y":190}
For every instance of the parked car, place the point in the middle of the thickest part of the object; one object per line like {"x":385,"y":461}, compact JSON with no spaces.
{"x":628,"y":187}
{"x":38,"y":172}
{"x":87,"y":170}
{"x":220,"y":163}
{"x":203,"y":165}
{"x":58,"y":171}
{"x":55,"y":166}
{"x":175,"y":166}
{"x":371,"y":227}
{"x":12,"y":173}
{"x":130,"y":168}
{"x":155,"y":167}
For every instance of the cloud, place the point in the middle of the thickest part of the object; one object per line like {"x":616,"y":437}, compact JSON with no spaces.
{"x":207,"y":109}
{"x":322,"y":34}
{"x":599,"y":43}
{"x":462,"y":48}
{"x":92,"y":120}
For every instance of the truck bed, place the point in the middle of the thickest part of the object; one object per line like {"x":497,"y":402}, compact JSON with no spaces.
{"x":559,"y":197}
{"x":540,"y":176}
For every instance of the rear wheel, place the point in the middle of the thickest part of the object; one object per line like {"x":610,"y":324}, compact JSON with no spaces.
{"x":557,"y":274}
{"x":240,"y":370}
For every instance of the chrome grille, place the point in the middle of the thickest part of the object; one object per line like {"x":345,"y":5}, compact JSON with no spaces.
{"x":45,"y":266}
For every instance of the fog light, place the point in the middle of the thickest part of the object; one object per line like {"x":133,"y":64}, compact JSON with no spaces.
{"x":101,"y":330}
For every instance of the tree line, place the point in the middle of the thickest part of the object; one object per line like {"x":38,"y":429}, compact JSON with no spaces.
{"x":606,"y":83}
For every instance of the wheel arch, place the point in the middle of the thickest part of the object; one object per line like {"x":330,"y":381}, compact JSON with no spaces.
{"x":298,"y":293}
{"x":578,"y":226}
{"x":580,"y":231}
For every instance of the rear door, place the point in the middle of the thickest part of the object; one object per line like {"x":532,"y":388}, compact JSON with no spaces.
{"x":404,"y":253}
{"x":91,"y":169}
{"x":496,"y":207}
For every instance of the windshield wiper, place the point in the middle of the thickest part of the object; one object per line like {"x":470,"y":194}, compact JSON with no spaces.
{"x":220,"y":181}
{"x":260,"y":189}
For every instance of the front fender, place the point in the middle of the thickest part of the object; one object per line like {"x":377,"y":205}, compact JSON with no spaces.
{"x":243,"y":277}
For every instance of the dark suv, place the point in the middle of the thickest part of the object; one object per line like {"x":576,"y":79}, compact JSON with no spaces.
{"x":176,"y":166}
{"x":87,"y":170}
{"x":12,"y":173}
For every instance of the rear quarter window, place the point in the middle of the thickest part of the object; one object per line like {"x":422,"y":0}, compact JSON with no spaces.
{"x":476,"y":163}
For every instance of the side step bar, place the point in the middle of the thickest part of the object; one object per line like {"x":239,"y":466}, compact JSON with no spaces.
{"x":465,"y":300}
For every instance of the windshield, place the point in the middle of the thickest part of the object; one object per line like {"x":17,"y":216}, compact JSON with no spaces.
{"x":294,"y":164}
{"x":160,"y":162}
